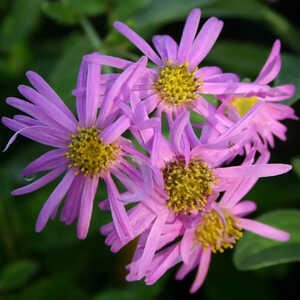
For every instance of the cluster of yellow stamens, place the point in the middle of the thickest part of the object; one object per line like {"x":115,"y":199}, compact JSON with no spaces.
{"x":187,"y":187}
{"x":244,"y":104}
{"x":88,"y":153}
{"x":176,"y":85}
{"x":217,"y":233}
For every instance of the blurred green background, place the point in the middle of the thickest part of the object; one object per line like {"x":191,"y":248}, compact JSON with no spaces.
{"x":50,"y":38}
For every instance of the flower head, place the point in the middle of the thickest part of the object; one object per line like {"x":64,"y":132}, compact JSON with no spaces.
{"x":266,"y":122}
{"x":86,"y":150}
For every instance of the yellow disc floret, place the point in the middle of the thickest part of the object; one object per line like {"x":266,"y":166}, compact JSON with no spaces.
{"x":244,"y":104}
{"x":187,"y":187}
{"x":217,"y":233}
{"x":176,"y":85}
{"x":88,"y":153}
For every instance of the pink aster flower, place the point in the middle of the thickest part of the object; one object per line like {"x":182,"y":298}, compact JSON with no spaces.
{"x":266,"y":123}
{"x":86,"y":149}
{"x":215,"y":229}
{"x":176,"y":83}
{"x":179,"y":181}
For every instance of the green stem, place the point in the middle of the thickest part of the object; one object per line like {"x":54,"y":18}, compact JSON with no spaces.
{"x":91,"y":34}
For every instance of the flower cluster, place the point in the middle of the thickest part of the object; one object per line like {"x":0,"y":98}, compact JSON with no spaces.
{"x":183,"y":186}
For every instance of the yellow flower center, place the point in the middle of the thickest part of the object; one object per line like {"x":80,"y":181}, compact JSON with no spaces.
{"x":88,"y":153}
{"x":176,"y":85}
{"x":187,"y":187}
{"x":216,"y":233}
{"x":244,"y":104}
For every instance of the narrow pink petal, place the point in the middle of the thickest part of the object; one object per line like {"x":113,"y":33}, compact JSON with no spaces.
{"x":86,"y":206}
{"x":244,"y":208}
{"x":202,"y":271}
{"x":207,"y":72}
{"x":264,"y":230}
{"x":111,"y":61}
{"x":50,"y":160}
{"x":205,"y":40}
{"x":262,"y":170}
{"x":39,"y":182}
{"x":192,"y":263}
{"x":115,"y":130}
{"x":71,"y":206}
{"x":151,"y":244}
{"x":168,"y":259}
{"x":159,"y":44}
{"x":50,"y":109}
{"x":92,"y":93}
{"x":176,"y":132}
{"x":186,"y":245}
{"x":139,"y":42}
{"x":116,"y":89}
{"x":272,"y":66}
{"x":188,"y":35}
{"x":36,"y":133}
{"x":44,"y":89}
{"x":119,"y":214}
{"x":54,"y":200}
{"x":217,"y":88}
{"x":172,"y":48}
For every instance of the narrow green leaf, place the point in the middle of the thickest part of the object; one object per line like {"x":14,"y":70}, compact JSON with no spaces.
{"x":255,"y":252}
{"x":15,"y":26}
{"x":290,"y":74}
{"x":16,"y":274}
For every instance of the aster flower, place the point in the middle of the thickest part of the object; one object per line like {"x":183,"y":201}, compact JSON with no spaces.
{"x":86,"y":149}
{"x":178,"y":182}
{"x":215,"y":229}
{"x":176,"y":83}
{"x":266,"y":123}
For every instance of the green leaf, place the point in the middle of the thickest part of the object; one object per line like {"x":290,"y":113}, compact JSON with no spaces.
{"x":114,"y":295}
{"x":255,"y":252}
{"x":240,"y":57}
{"x":16,"y":274}
{"x":64,"y":75}
{"x":15,"y":27}
{"x":72,"y":11}
{"x":296,"y":165}
{"x":160,"y":12}
{"x":290,"y":74}
{"x":250,"y":9}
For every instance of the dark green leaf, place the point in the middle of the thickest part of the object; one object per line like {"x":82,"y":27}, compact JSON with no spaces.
{"x":15,"y":27}
{"x":290,"y":74}
{"x":16,"y":274}
{"x":160,"y":12}
{"x":296,"y":165}
{"x":72,"y":11}
{"x":250,"y":9}
{"x":243,"y":58}
{"x":114,"y":295}
{"x":255,"y":252}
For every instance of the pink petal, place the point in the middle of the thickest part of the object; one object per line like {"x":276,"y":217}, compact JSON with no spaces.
{"x":139,"y":42}
{"x":39,"y":182}
{"x":188,"y":35}
{"x":264,"y":230}
{"x":86,"y":206}
{"x":54,"y":200}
